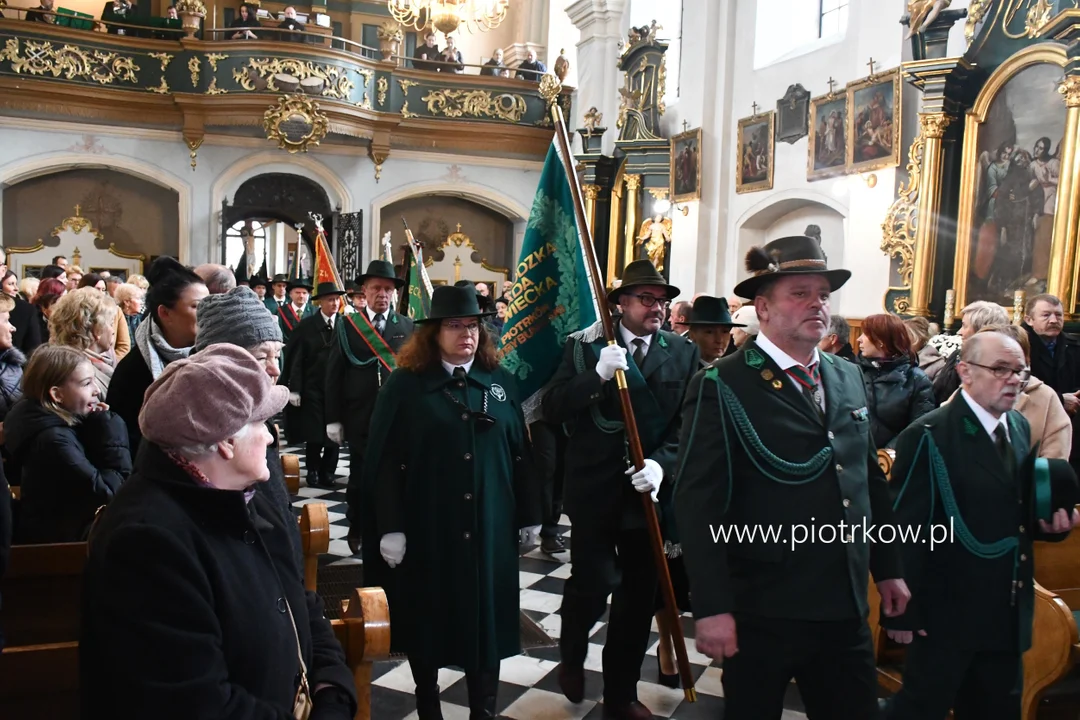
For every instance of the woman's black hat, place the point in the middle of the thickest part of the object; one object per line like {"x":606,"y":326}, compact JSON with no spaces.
{"x":709,"y":310}
{"x":452,"y":301}
{"x":795,"y":255}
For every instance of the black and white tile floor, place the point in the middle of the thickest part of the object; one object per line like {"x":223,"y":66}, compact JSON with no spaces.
{"x":528,"y":686}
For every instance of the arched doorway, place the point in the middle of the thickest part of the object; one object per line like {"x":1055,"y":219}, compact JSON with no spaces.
{"x":268,"y":225}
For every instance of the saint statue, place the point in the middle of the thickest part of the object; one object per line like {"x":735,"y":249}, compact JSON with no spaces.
{"x":655,"y":234}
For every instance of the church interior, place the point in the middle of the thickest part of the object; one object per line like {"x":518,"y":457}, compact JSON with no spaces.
{"x":925,"y":146}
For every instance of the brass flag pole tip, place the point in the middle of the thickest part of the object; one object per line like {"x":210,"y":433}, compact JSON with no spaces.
{"x":550,"y":87}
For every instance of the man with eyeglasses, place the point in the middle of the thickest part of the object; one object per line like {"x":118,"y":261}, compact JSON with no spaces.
{"x":610,"y":549}
{"x":1055,"y":357}
{"x":969,"y":467}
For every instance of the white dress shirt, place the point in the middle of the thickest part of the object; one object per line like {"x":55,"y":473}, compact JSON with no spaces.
{"x":988,"y":421}
{"x":785,"y":361}
{"x":451,"y":367}
{"x":329,"y":320}
{"x":629,"y":338}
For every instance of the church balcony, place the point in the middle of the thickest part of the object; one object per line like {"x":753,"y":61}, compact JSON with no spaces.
{"x":227,"y":87}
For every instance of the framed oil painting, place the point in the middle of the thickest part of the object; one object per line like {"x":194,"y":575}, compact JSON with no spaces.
{"x":827,"y":150}
{"x":1009,"y":181}
{"x":873,"y":132}
{"x":754,"y":171}
{"x":686,"y":166}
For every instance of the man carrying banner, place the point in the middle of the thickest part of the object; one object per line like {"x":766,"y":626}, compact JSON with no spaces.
{"x":362,"y":358}
{"x":610,"y":551}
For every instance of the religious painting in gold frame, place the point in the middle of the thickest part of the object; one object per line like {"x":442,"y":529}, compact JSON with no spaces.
{"x":686,"y":166}
{"x":873,"y":124}
{"x":827,"y":151}
{"x":1007,"y":237}
{"x":754,"y":168}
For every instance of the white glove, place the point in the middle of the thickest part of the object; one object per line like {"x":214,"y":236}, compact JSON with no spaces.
{"x":294,"y":399}
{"x":612,"y":358}
{"x":336,"y":433}
{"x":530,"y":534}
{"x":392,"y":547}
{"x":648,"y":479}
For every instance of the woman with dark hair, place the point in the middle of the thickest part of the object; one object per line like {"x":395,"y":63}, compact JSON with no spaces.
{"x":167,"y":335}
{"x":246,"y":19}
{"x":460,"y":502}
{"x":27,"y":332}
{"x":49,"y":291}
{"x":897,"y":392}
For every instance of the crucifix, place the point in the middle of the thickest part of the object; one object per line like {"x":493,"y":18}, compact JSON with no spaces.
{"x":831,"y":84}
{"x":684,"y":125}
{"x":755,"y":106}
{"x":871,"y":64}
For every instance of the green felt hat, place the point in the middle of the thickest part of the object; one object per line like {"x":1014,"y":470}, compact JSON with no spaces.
{"x":709,"y":310}
{"x":381,"y":269}
{"x":451,"y":301}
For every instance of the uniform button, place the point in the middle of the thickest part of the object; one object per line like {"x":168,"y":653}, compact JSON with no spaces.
{"x":468,"y":456}
{"x":282,"y":607}
{"x":832,"y":435}
{"x":839,"y":467}
{"x":1023,"y":558}
{"x":402,"y":467}
{"x":847,"y":503}
{"x":464,"y":416}
{"x":461,"y":384}
{"x":517,"y":458}
{"x":1021,"y":528}
{"x":468,"y":496}
{"x":1020,"y":584}
{"x":468,"y":535}
{"x":249,"y":537}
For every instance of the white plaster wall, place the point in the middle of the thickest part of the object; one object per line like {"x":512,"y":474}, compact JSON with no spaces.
{"x":223,"y":164}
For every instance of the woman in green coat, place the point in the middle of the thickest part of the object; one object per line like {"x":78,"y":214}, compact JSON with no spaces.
{"x":447,"y":477}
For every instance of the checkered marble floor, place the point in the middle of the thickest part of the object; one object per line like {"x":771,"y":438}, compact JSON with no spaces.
{"x":528,"y":683}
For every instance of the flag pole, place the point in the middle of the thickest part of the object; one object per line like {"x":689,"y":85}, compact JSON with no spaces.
{"x":637,"y":455}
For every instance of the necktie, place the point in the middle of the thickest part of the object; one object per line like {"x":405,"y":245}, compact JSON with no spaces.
{"x":1003,"y":446}
{"x":380,"y":323}
{"x":639,"y":352}
{"x":809,"y":380}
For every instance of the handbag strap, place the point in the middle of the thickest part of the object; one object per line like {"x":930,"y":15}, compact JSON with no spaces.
{"x":299,"y":652}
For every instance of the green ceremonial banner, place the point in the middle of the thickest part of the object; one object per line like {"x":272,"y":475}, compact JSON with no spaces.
{"x":419,"y":300}
{"x":552,"y":296}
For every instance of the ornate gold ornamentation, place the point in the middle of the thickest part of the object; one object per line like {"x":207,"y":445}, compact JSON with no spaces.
{"x":76,"y":224}
{"x":383,"y":86}
{"x":366,"y":74}
{"x":949,"y":312}
{"x":922,"y":13}
{"x":475,"y":103}
{"x":1037,"y":17}
{"x":405,"y":111}
{"x":213,"y":58}
{"x":406,"y":84}
{"x":214,"y":89}
{"x":1070,"y":90}
{"x":658,"y":193}
{"x":898,"y":230}
{"x":934,"y":124}
{"x":196,"y":7}
{"x":74,"y":63}
{"x":296,"y":123}
{"x":1019,"y":298}
{"x":901,"y":305}
{"x":162,"y":89}
{"x":977,"y":10}
{"x":550,"y":87}
{"x":193,"y":146}
{"x":633,"y":182}
{"x":661,"y":89}
{"x":193,"y":67}
{"x":164,"y":58}
{"x":364,"y":103}
{"x":336,"y":82}
{"x":592,"y":192}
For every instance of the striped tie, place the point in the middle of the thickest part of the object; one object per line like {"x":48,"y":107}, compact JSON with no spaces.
{"x":810,"y":382}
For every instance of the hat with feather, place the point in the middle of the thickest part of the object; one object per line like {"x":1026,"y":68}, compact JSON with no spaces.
{"x":795,"y":255}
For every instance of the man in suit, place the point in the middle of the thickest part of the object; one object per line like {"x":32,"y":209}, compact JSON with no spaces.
{"x":306,"y":356}
{"x":360,"y":362}
{"x":280,"y":287}
{"x":610,"y":551}
{"x":776,"y":439}
{"x":970,"y":616}
{"x":296,"y":310}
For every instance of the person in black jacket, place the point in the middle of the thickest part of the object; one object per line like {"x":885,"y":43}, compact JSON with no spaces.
{"x":247,"y":19}
{"x":72,"y":451}
{"x":193,"y":606}
{"x":27,"y":335}
{"x":897,"y":392}
{"x":167,"y":335}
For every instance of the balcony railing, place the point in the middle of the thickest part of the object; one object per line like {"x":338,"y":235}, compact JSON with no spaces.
{"x":144,"y":78}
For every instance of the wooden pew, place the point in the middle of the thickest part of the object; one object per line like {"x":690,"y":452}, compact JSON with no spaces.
{"x":42,"y":594}
{"x":290,"y":464}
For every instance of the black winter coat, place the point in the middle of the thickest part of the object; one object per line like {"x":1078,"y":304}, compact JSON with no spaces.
{"x":67,"y":472}
{"x":129,"y":382}
{"x":27,"y":335}
{"x":278,"y":494}
{"x":897,"y":394}
{"x":306,"y":358}
{"x":6,"y":530}
{"x":186,"y":608}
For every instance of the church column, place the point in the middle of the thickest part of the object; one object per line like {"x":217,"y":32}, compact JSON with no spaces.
{"x":633,"y":186}
{"x":530,"y":33}
{"x":1062,"y":276}
{"x":592,"y":192}
{"x":601,"y":23}
{"x":922,"y":279}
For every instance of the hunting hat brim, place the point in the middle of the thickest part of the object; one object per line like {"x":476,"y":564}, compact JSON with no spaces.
{"x":787,"y":256}
{"x":638,"y":274}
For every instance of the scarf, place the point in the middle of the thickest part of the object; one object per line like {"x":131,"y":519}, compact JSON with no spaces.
{"x":198,"y":475}
{"x":104,"y":365}
{"x":154,"y":349}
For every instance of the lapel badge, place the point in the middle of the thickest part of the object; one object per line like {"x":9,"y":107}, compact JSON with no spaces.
{"x":766,"y":374}
{"x":777,"y":384}
{"x":969,"y":427}
{"x":498,"y":393}
{"x":662,"y":342}
{"x":754,"y":359}
{"x":860,"y":414}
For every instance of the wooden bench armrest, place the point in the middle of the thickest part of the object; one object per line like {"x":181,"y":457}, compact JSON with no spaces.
{"x":290,"y":466}
{"x":1050,"y":658}
{"x":364,"y":634}
{"x":315,"y":540}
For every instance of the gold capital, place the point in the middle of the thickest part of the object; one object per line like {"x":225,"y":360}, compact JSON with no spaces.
{"x":633,"y":182}
{"x":592,"y":192}
{"x":1070,"y":89}
{"x":934,"y":124}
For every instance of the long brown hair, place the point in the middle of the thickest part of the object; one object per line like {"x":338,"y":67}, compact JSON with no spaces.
{"x":49,"y":366}
{"x":421,"y":351}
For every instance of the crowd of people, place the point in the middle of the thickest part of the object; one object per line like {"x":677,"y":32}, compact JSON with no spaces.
{"x":150,"y":433}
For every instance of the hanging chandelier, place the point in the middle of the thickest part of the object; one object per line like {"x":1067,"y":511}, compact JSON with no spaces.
{"x":448,"y":16}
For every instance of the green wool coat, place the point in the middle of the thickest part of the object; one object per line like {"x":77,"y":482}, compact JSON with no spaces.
{"x":460,"y":495}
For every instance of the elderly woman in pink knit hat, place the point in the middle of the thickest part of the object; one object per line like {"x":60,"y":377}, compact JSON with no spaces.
{"x":194,"y":603}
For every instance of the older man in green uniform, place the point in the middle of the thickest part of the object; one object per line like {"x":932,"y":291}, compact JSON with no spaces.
{"x":297,"y":309}
{"x":360,"y":362}
{"x":610,"y":551}
{"x":966,"y":477}
{"x":776,"y":439}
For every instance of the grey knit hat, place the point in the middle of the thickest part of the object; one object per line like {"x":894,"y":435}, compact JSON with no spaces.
{"x":237,"y":317}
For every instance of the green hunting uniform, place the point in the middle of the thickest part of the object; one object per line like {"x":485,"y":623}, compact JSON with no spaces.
{"x":973,"y":594}
{"x":757,"y":452}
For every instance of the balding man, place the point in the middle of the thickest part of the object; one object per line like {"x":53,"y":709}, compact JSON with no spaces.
{"x":218,"y":278}
{"x":680,"y":313}
{"x":968,"y":465}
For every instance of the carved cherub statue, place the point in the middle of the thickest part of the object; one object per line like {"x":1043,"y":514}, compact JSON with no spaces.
{"x":593,"y":118}
{"x":655,"y":234}
{"x":922,"y":13}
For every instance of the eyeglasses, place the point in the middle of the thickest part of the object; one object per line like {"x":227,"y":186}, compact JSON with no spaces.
{"x":648,"y":300}
{"x":1002,"y":372}
{"x":455,"y":326}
